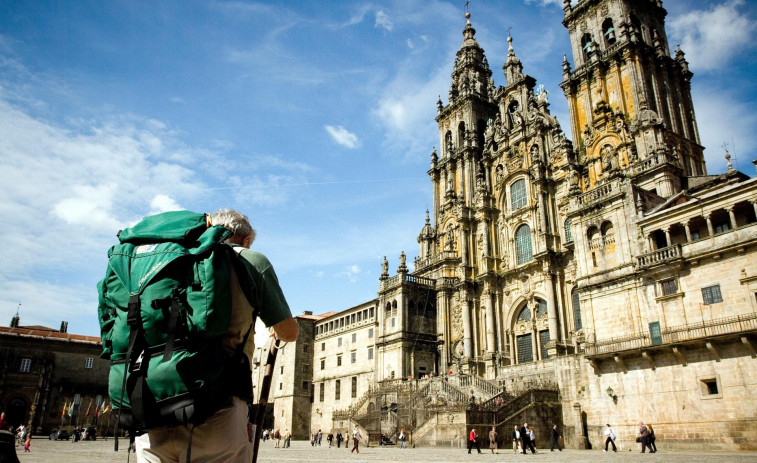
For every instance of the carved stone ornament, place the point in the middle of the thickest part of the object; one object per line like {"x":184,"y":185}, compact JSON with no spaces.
{"x":524,"y":284}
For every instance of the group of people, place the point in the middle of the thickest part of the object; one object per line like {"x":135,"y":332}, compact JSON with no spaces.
{"x":524,"y":438}
{"x":276,"y":436}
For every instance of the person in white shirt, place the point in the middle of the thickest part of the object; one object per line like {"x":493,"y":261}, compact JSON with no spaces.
{"x":610,"y":438}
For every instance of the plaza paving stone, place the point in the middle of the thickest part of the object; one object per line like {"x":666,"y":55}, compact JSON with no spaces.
{"x":46,"y":451}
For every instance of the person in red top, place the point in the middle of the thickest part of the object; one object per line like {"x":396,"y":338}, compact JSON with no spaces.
{"x":473,"y":440}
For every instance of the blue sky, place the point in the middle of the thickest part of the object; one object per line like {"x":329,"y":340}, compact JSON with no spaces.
{"x":314,"y":118}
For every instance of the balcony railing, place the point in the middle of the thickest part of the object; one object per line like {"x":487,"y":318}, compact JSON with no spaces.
{"x":597,"y":194}
{"x":660,"y":256}
{"x":676,"y":335}
{"x":435,"y":259}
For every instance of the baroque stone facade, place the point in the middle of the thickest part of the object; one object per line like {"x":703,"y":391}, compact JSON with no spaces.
{"x":612,"y":269}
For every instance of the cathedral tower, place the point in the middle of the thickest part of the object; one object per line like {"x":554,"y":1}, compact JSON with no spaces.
{"x":630,"y":100}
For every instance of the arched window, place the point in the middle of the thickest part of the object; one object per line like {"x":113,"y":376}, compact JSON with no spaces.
{"x":525,"y":314}
{"x":568,"y":237}
{"x":576,"y":311}
{"x":608,"y":31}
{"x":461,"y":134}
{"x":586,"y":44}
{"x":518,"y":196}
{"x":448,"y":146}
{"x":541,"y":308}
{"x":523,"y":244}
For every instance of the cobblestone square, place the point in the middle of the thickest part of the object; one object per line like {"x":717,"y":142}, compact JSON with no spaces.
{"x":46,"y":451}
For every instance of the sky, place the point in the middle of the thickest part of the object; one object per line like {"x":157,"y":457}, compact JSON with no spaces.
{"x":316,"y":119}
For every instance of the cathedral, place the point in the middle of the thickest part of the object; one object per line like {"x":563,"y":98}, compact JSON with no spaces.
{"x":607,"y":279}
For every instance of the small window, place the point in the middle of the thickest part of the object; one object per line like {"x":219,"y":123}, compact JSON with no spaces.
{"x":568,"y":237}
{"x":304,"y":385}
{"x":353,"y":357}
{"x":669,"y":287}
{"x":306,"y":368}
{"x":89,"y":362}
{"x":281,"y":386}
{"x":354,"y":337}
{"x":711,"y":295}
{"x":281,"y":370}
{"x":339,"y":342}
{"x":370,"y":312}
{"x":370,"y":353}
{"x":709,"y":387}
{"x":354,"y":387}
{"x":322,"y":392}
{"x":370,"y":333}
{"x":337,"y":389}
{"x":721,"y":227}
{"x":339,"y":360}
{"x":393,"y":322}
{"x":323,"y":346}
{"x":26,"y":365}
{"x":518,"y":196}
{"x":305,"y":348}
{"x":359,"y":317}
{"x":323,"y":364}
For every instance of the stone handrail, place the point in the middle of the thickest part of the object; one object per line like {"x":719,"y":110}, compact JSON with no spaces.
{"x":595,"y":195}
{"x":436,"y":258}
{"x":676,"y":334}
{"x":727,"y":325}
{"x":659,"y":256}
{"x":409,"y":278}
{"x":479,"y":383}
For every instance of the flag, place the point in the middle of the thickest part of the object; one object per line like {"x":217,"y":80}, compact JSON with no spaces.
{"x":106,"y":409}
{"x":63,"y":413}
{"x":88,"y":407}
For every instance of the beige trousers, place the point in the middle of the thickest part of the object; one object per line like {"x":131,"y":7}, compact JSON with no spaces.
{"x":222,"y":438}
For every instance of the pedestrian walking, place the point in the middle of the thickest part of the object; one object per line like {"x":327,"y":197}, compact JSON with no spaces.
{"x":28,"y":443}
{"x":355,"y":440}
{"x":610,"y":438}
{"x":339,"y":440}
{"x":403,"y":437}
{"x":643,"y":438}
{"x":652,"y":438}
{"x":517,"y":446}
{"x":555,"y":439}
{"x":493,"y":435}
{"x":525,"y":437}
{"x":473,"y":440}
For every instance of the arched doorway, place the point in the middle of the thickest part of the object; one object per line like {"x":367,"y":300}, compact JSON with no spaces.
{"x":17,"y":411}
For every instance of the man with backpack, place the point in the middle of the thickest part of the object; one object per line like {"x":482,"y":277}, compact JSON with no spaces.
{"x":217,"y":287}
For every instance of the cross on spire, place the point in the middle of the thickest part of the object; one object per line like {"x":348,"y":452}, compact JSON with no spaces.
{"x":467,"y":2}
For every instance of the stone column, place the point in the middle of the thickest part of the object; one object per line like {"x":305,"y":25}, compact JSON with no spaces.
{"x":688,"y":232}
{"x":667,"y":237}
{"x":710,"y":229}
{"x":732,"y":216}
{"x":754,"y":206}
{"x":467,"y":342}
{"x":554,"y":331}
{"x":490,"y":322}
{"x":464,"y":246}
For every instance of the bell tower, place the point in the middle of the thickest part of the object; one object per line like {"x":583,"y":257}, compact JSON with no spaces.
{"x":629,"y":99}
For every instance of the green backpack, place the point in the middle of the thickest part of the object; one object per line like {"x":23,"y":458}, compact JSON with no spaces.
{"x":164,"y":306}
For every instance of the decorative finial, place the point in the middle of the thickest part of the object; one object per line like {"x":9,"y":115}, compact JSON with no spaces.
{"x":727,"y":155}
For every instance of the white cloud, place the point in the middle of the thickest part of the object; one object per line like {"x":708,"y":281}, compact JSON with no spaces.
{"x":352,"y":272}
{"x":406,"y":109}
{"x":737,"y":129}
{"x":383,"y":21}
{"x":713,"y":37}
{"x":547,"y":2}
{"x":343,"y":137}
{"x":163,"y":203}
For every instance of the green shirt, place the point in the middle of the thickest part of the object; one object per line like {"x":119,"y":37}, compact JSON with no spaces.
{"x":269,"y":299}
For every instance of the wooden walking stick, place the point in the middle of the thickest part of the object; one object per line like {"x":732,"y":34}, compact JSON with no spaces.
{"x":262,"y":405}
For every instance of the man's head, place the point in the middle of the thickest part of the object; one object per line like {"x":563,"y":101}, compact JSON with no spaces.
{"x":238,"y":224}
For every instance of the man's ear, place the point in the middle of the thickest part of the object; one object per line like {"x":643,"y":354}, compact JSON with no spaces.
{"x":247,"y":242}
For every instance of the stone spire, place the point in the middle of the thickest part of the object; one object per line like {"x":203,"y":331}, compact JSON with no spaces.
{"x":471,"y":76}
{"x":513,"y":67}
